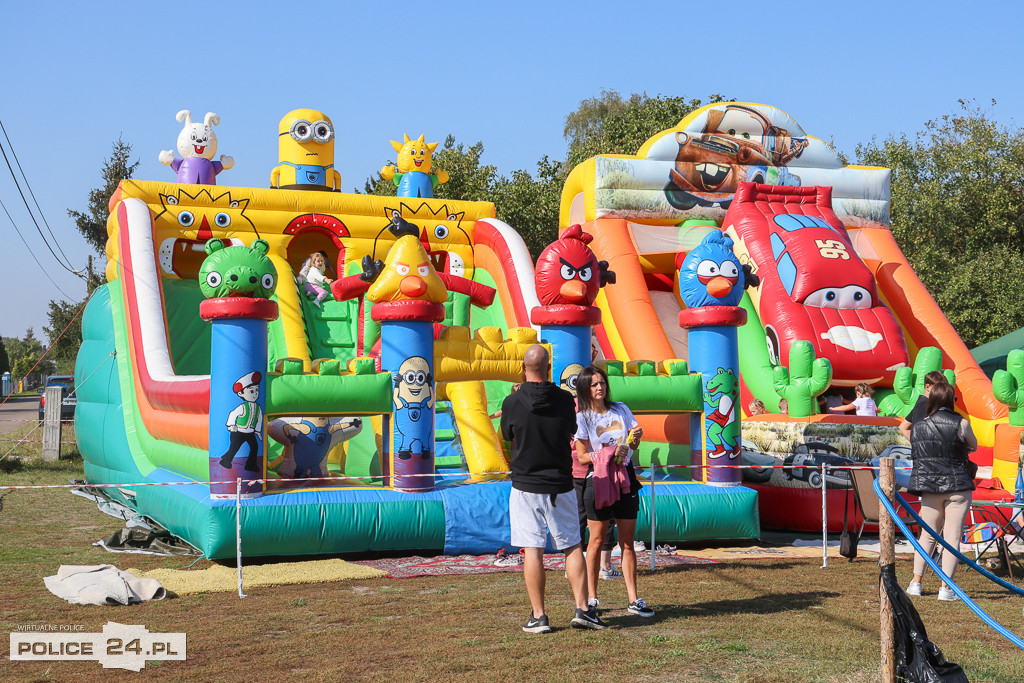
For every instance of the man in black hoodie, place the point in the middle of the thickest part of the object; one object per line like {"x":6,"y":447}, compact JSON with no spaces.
{"x":540,"y":420}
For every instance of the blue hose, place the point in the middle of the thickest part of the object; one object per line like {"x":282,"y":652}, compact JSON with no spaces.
{"x":999,"y":628}
{"x":956,"y":551}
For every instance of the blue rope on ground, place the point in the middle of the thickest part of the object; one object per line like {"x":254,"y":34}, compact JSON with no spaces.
{"x":999,"y":628}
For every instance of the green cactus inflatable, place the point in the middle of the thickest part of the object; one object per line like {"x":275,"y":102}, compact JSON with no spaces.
{"x":806,"y":379}
{"x":908,"y":383}
{"x":1008,"y":386}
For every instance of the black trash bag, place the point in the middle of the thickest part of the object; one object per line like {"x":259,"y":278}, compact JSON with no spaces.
{"x":918,"y":660}
{"x":848,"y":539}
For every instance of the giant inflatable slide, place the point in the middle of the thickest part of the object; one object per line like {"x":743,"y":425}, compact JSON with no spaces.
{"x":816,"y":233}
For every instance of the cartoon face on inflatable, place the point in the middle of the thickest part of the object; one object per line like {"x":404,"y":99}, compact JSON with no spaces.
{"x":197,"y":140}
{"x":408,"y":274}
{"x":814,"y":285}
{"x":570,"y":374}
{"x":305,"y":150}
{"x":711,"y":274}
{"x":189,"y":220}
{"x":412,"y":384}
{"x":237,"y":271}
{"x":446,"y":243}
{"x":414,"y":155}
{"x":737,"y":143}
{"x":568,"y":271}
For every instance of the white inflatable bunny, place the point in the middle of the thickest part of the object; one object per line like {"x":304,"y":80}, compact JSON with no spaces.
{"x":197,"y":143}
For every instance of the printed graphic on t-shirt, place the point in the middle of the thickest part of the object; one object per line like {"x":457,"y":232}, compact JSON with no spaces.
{"x":605,"y":432}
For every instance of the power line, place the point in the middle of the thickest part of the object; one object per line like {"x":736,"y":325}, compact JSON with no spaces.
{"x":66,"y":266}
{"x":32,"y":193}
{"x":41,"y":268}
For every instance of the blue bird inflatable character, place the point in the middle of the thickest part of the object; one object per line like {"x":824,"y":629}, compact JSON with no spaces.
{"x":711,"y":275}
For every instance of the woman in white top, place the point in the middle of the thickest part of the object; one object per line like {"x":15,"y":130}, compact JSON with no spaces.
{"x":602,"y":423}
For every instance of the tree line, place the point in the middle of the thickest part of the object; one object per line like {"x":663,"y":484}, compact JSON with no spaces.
{"x":957,"y":196}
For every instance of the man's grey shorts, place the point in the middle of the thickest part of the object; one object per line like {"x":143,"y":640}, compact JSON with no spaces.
{"x":533,"y":516}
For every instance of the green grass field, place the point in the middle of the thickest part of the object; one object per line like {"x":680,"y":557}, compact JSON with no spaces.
{"x":750,"y":620}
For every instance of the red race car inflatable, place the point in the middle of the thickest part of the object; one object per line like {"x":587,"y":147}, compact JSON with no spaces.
{"x":814,"y":286}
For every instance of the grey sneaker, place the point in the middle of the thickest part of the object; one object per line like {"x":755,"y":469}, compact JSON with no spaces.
{"x":914,"y":588}
{"x":610,"y":573}
{"x":587,"y":619}
{"x":947,"y":595}
{"x":640,"y":608}
{"x":537,"y":624}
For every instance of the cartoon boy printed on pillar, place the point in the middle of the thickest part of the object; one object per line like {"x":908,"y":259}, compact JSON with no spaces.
{"x":413,"y":399}
{"x":721,"y":393}
{"x":245,"y":422}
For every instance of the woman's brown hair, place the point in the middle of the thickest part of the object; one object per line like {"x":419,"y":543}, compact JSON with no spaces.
{"x":942,"y":396}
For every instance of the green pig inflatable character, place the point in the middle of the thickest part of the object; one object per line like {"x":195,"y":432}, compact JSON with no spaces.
{"x":237,"y":271}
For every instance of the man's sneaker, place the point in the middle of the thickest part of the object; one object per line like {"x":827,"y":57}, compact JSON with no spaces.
{"x":610,"y":573}
{"x":537,"y":624}
{"x":587,"y":619}
{"x":593,"y":604}
{"x":914,"y":588}
{"x":947,"y":595}
{"x":639,"y":607}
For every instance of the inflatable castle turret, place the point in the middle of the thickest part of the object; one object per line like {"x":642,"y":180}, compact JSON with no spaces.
{"x":568,"y":277}
{"x":711,"y":284}
{"x":238,"y":282}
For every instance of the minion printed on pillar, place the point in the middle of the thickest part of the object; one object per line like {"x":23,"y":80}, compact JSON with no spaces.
{"x":305,"y":152}
{"x":414,"y":402}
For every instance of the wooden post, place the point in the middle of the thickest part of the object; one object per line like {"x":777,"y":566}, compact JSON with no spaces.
{"x":51,"y":422}
{"x":887,"y":556}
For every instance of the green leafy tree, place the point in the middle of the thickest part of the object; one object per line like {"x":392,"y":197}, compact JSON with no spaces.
{"x":609,"y":124}
{"x":5,"y":361}
{"x":24,"y":353}
{"x":92,"y":223}
{"x":957,"y":213}
{"x":63,"y":317}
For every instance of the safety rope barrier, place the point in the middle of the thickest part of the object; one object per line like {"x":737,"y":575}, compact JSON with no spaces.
{"x":995,"y":625}
{"x":372,"y":477}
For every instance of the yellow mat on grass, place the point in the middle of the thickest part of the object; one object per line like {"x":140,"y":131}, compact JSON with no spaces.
{"x":218,"y":578}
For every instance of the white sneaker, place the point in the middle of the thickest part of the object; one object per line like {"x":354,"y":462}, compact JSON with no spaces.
{"x":914,"y":588}
{"x":947,"y":595}
{"x":638,"y":546}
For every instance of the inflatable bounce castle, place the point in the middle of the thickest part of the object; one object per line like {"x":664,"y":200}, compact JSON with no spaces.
{"x":335,"y":360}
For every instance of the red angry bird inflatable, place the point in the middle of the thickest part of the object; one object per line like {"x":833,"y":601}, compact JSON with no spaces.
{"x":568,"y":272}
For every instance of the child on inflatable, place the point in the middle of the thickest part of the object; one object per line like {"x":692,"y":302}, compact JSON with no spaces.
{"x":863,"y":404}
{"x":313,"y":275}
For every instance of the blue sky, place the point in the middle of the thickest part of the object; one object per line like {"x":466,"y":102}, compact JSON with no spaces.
{"x":78,"y":75}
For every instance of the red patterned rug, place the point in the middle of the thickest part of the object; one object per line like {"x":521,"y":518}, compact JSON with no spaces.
{"x":450,"y":565}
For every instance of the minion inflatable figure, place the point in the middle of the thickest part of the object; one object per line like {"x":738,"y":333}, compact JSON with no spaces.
{"x":305,"y":153}
{"x":413,"y":177}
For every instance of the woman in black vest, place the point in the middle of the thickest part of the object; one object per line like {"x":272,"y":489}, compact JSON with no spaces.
{"x":944,"y":478}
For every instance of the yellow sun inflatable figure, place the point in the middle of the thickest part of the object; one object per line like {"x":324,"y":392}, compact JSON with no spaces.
{"x":413,"y":177}
{"x":408,"y":274}
{"x":305,"y":149}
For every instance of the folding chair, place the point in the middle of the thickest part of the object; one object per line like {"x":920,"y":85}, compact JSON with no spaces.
{"x":870,"y":509}
{"x":990,"y":533}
